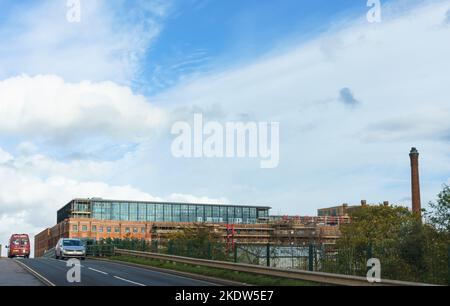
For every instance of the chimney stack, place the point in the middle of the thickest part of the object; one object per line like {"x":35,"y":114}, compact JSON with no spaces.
{"x":415,"y":182}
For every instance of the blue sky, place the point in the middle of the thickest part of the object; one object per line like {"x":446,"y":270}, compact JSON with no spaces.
{"x":86,"y":108}
{"x":206,"y":35}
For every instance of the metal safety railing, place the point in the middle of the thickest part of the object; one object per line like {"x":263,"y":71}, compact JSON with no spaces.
{"x":100,"y":250}
{"x":316,"y":277}
{"x":91,"y":250}
{"x":49,"y":253}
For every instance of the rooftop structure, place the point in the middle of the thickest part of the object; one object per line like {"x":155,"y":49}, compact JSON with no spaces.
{"x":119,"y":210}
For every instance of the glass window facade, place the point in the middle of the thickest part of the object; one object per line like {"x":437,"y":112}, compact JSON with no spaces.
{"x":163,"y":212}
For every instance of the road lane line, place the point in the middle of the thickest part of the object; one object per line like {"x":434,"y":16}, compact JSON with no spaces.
{"x":63,"y":261}
{"x":129,"y":281}
{"x":98,"y":271}
{"x":165,"y":272}
{"x":36,"y":274}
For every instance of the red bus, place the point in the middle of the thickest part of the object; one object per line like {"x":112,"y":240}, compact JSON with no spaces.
{"x":19,"y":246}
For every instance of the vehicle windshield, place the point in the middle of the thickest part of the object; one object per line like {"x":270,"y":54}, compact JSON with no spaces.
{"x":72,"y":243}
{"x":20,"y":242}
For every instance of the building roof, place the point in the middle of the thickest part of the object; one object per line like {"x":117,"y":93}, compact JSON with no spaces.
{"x":172,"y":202}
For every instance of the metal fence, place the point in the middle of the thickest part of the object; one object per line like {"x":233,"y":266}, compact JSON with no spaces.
{"x":101,"y":250}
{"x":316,"y":277}
{"x":307,"y":257}
{"x":91,"y":250}
{"x":49,"y":253}
{"x":286,"y":257}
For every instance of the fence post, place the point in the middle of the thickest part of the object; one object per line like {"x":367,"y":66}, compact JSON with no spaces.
{"x":209,"y":250}
{"x":189,"y":249}
{"x":311,"y":257}
{"x":155,"y":246}
{"x":268,"y":255}
{"x":369,"y":252}
{"x":235,"y":254}
{"x":448,"y":266}
{"x":169,"y":249}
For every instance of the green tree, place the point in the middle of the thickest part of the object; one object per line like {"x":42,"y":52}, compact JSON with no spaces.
{"x":199,"y":241}
{"x":440,"y":211}
{"x":438,"y":238}
{"x":407,"y":248}
{"x":380,"y":231}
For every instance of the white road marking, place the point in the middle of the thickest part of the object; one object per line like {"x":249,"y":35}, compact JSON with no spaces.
{"x":129,"y":281}
{"x":64,"y":261}
{"x":98,"y":271}
{"x":166,"y":273}
{"x":39,"y":276}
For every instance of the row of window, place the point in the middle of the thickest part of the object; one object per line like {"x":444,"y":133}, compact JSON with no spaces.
{"x":331,"y":212}
{"x":135,"y":230}
{"x":175,"y":212}
{"x":108,"y":229}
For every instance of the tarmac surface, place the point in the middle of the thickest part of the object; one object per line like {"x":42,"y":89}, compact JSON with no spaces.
{"x":12,"y":274}
{"x":55,"y":272}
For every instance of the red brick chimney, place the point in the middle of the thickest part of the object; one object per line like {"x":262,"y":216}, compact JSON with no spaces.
{"x":415,"y":183}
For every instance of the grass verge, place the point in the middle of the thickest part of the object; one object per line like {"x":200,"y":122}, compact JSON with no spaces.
{"x":247,"y":278}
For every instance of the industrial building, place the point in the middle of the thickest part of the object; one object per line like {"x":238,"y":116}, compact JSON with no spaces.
{"x":98,"y":219}
{"x":101,"y":209}
{"x":338,"y":211}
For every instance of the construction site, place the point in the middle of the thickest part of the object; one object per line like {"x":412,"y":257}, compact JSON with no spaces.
{"x":96,"y":220}
{"x":276,"y":230}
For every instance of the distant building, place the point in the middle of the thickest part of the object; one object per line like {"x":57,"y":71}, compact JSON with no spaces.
{"x":336,"y":211}
{"x":340,"y":211}
{"x":343,"y":210}
{"x":101,"y":209}
{"x":97,"y":219}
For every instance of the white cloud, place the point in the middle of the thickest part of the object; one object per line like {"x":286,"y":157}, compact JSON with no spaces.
{"x":330,"y":154}
{"x":49,"y":108}
{"x":398,"y":69}
{"x":108,"y":43}
{"x":177,"y":197}
{"x":447,"y":18}
{"x":27,"y":148}
{"x":35,"y":186}
{"x":5,"y":156}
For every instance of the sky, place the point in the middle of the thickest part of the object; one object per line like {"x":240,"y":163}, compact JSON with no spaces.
{"x":86,"y":108}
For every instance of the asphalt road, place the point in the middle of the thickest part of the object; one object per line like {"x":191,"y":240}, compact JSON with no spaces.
{"x":101,"y":273}
{"x":12,"y":274}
